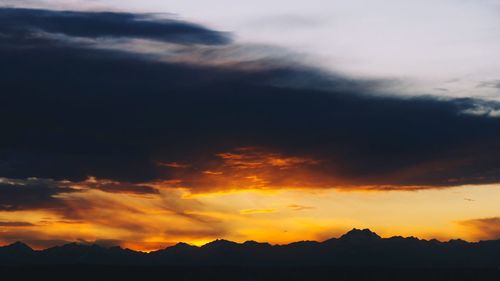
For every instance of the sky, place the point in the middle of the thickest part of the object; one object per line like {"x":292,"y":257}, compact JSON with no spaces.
{"x":145,"y":123}
{"x":446,"y":48}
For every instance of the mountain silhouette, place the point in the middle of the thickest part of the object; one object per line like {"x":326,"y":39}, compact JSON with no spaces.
{"x":360,"y":235}
{"x":17,"y":247}
{"x":356,"y":248}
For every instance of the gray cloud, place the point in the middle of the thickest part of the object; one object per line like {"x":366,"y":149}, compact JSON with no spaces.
{"x":489,"y":84}
{"x":31,"y":194}
{"x":108,"y":25}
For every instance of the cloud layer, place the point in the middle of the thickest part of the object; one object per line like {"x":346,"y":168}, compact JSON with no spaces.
{"x":108,"y":25}
{"x":73,"y":111}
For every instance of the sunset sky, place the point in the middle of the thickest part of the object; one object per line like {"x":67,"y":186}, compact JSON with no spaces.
{"x":143,"y":123}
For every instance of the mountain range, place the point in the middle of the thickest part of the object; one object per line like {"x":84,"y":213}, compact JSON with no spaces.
{"x":357,"y":248}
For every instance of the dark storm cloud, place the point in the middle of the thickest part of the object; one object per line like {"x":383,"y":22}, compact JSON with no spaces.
{"x":108,"y":25}
{"x":118,"y":187}
{"x":15,"y":224}
{"x":30,"y":195}
{"x":70,"y":112}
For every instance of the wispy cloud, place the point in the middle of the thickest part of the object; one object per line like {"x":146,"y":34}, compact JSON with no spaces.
{"x":297,"y":207}
{"x":484,"y":228}
{"x":258,"y":211}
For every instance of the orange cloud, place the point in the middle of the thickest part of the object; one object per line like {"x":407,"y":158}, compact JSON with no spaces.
{"x":254,"y":158}
{"x":297,"y":207}
{"x":248,"y":168}
{"x":257,"y":211}
{"x":483,"y":229}
{"x":115,"y":186}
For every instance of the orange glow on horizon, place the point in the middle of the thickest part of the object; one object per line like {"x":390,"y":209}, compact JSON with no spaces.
{"x":156,"y":221}
{"x":249,"y":194}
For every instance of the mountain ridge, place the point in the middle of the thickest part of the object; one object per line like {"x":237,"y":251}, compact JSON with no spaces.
{"x":358,"y":247}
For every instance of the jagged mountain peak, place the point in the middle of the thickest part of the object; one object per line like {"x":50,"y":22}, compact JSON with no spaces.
{"x":180,"y":247}
{"x":18,"y":246}
{"x":360,"y":234}
{"x":219,"y":243}
{"x":255,"y":243}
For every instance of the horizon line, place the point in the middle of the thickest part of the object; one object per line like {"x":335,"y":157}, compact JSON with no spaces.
{"x":365,"y":230}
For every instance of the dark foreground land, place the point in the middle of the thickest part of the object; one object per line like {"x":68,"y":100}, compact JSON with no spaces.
{"x":144,"y":273}
{"x":357,"y":255}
